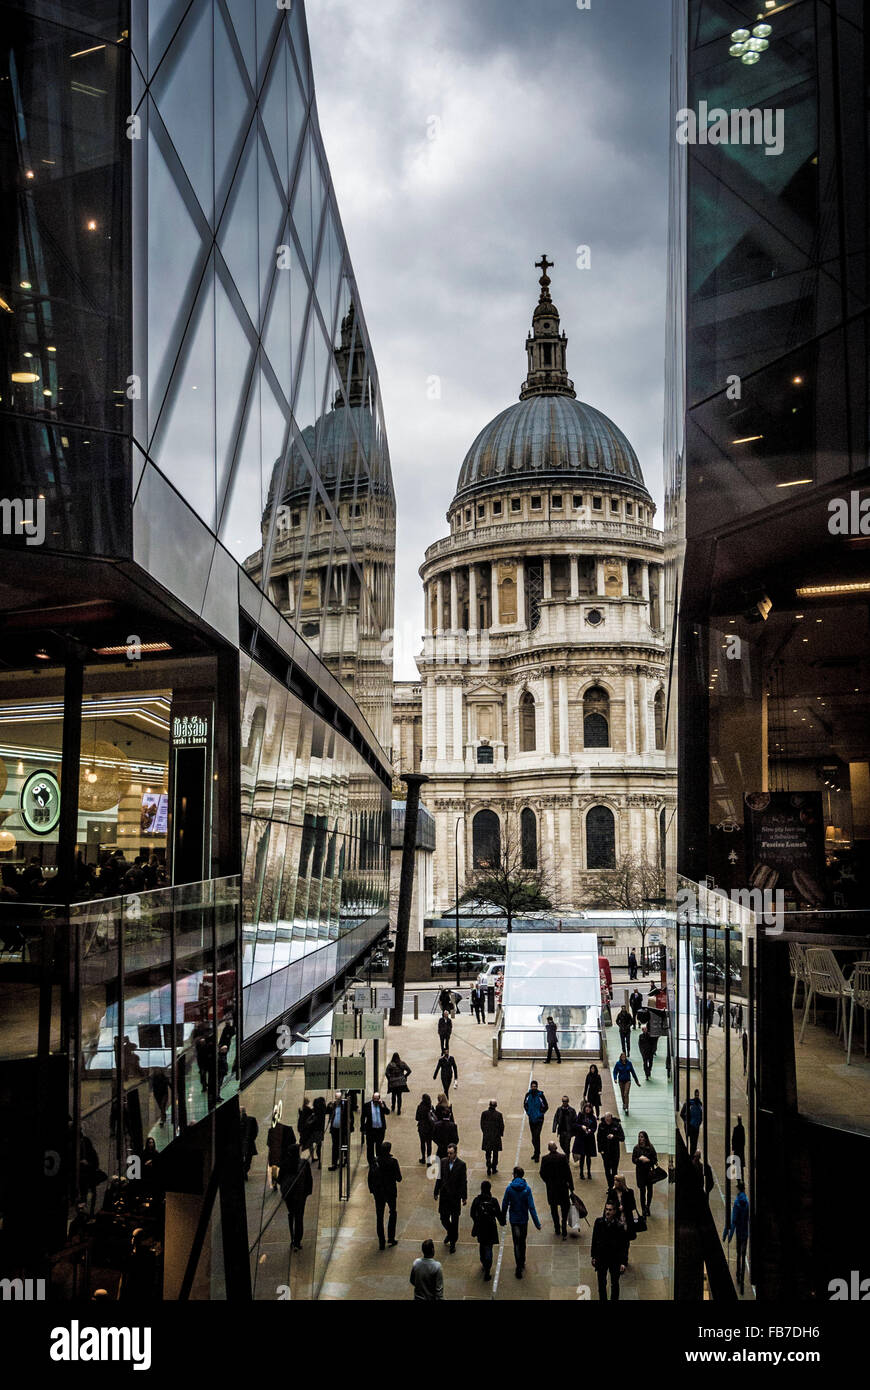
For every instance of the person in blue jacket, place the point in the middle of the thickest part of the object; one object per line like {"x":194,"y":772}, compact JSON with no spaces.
{"x":623,"y":1073}
{"x":536,"y":1107}
{"x":518,"y":1205}
{"x":739,"y":1227}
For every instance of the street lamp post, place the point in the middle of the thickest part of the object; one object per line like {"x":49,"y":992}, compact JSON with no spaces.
{"x":459,"y":821}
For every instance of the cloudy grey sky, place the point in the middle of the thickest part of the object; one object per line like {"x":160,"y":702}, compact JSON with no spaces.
{"x":550,"y":133}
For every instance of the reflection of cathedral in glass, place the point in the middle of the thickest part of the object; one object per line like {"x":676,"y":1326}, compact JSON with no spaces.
{"x":333,"y":532}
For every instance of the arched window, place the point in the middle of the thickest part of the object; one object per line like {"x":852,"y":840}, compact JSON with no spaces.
{"x":486,"y":840}
{"x":527,"y":722}
{"x":529,"y":838}
{"x":600,"y":838}
{"x":659,"y":713}
{"x":596,"y":718}
{"x":662,"y":840}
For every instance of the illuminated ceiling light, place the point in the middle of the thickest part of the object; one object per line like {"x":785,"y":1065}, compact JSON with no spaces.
{"x":41,"y":654}
{"x":92,"y":226}
{"x":46,"y":391}
{"x":750,"y":58}
{"x":5,"y":306}
{"x":736,"y":49}
{"x":796,"y":482}
{"x":833,"y":590}
{"x":25,"y":378}
{"x":51,"y":349}
{"x":739,"y":35}
{"x":748,"y":439}
{"x":757,"y":45}
{"x":798,"y":615}
{"x":797,"y":381}
{"x":28,"y":354}
{"x":122,"y":650}
{"x":762,"y":31}
{"x":30,"y":174}
{"x":82,"y":51}
{"x":25,"y":284}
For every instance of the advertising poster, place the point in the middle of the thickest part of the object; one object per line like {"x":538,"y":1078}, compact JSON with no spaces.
{"x":786,"y":839}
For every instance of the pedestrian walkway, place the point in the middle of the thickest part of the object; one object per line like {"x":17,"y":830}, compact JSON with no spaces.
{"x":556,"y":1270}
{"x":651,"y":1104}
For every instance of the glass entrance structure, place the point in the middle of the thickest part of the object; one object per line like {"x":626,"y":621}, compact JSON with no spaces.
{"x":551,"y":974}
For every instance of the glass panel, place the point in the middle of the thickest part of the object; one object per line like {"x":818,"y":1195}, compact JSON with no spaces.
{"x":238,"y":231}
{"x":188,"y":68}
{"x":232,"y":110}
{"x":175,"y":258}
{"x":271,"y":212}
{"x":242,"y":15}
{"x":184,"y":444}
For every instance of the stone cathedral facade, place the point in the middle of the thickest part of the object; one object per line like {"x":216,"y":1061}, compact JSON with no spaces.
{"x":539,"y":715}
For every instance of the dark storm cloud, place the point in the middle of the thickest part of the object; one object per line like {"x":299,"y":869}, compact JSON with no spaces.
{"x":551,"y":131}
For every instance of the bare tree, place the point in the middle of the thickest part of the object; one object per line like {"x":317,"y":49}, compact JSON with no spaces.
{"x":508,"y":883}
{"x":637,"y":885}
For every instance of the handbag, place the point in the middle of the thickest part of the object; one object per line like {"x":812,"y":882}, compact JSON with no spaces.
{"x":640,"y":1223}
{"x":579,"y":1206}
{"x":433,"y":1172}
{"x":658,"y":1174}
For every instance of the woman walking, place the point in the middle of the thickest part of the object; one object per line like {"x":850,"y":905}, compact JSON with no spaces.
{"x":425,"y":1117}
{"x":623,"y":1199}
{"x":397,"y":1074}
{"x":486,"y":1217}
{"x":592,"y":1089}
{"x":644,"y":1158}
{"x":584,"y":1138}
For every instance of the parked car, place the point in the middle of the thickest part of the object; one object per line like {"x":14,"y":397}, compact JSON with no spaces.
{"x":491,"y":972}
{"x":470,"y":962}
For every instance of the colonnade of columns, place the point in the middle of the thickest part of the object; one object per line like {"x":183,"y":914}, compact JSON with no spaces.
{"x":446,"y":595}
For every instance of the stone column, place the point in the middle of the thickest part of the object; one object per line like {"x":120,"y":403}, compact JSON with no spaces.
{"x":644,"y":581}
{"x":440,"y":721}
{"x":521,"y":593}
{"x":599,"y":578}
{"x":473,"y":623}
{"x":547,"y":749}
{"x":458,"y":752}
{"x":630,"y":704}
{"x":493,"y":594}
{"x":623,"y":567}
{"x":439,"y":604}
{"x":454,"y":602}
{"x":548,"y":577}
{"x":643,"y":732}
{"x":575,"y":577}
{"x":564,"y":736}
{"x":426,"y":601}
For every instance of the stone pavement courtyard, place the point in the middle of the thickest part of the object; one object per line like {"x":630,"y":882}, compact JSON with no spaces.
{"x":555,"y":1269}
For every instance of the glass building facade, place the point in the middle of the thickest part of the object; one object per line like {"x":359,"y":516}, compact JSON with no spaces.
{"x":766,"y":443}
{"x":196,"y":597}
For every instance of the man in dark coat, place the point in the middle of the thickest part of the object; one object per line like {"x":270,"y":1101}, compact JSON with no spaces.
{"x":340,"y":1123}
{"x":738,"y":1145}
{"x":624,"y":1023}
{"x":564,"y":1121}
{"x":647,"y":1048}
{"x":609,"y":1251}
{"x":447,"y":1069}
{"x":632,"y":965}
{"x":635,"y":1001}
{"x":445,"y":1028}
{"x":492,"y":1130}
{"x":444,"y":1132}
{"x":559,"y":1182}
{"x":296,"y":1184}
{"x":552,"y":1039}
{"x":373,"y":1126}
{"x":451,"y":1194}
{"x":250,"y":1129}
{"x":478,"y":1004}
{"x":384,"y":1177}
{"x":486,"y":1217}
{"x":609,"y":1136}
